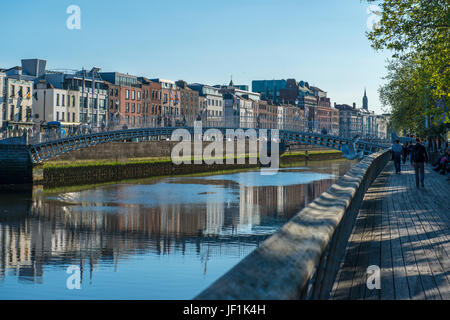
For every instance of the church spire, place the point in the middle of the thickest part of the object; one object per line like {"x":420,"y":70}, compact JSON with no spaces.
{"x":231,"y":81}
{"x":365,"y":100}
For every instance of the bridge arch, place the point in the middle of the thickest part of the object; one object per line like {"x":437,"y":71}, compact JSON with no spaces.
{"x":46,"y":150}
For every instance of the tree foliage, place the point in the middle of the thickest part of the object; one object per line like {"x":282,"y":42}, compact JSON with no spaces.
{"x":417,"y":32}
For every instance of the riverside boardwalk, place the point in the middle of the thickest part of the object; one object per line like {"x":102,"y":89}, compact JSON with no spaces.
{"x":405,"y":231}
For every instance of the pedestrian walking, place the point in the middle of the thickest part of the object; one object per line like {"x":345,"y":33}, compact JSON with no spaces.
{"x":405,"y":152}
{"x":397,"y":150}
{"x":419,"y":157}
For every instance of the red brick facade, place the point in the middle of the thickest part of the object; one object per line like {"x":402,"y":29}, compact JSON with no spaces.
{"x":152,"y":99}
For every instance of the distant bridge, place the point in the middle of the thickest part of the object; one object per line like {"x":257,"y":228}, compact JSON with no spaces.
{"x":17,"y":156}
{"x":40,"y":152}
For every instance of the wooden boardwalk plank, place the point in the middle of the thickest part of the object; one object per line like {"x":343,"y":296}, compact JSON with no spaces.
{"x":430,"y":289}
{"x":387,"y":272}
{"x":374,"y":254}
{"x":405,"y":230}
{"x":359,"y":277}
{"x":402,"y":290}
{"x":430,"y":215}
{"x":430,"y":241}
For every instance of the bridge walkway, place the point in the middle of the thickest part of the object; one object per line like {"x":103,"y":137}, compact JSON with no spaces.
{"x":405,"y":231}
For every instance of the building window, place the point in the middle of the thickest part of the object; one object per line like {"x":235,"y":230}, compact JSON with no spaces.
{"x":127,"y":107}
{"x":57,"y":99}
{"x":73,"y":117}
{"x":132,"y":95}
{"x":139,"y":95}
{"x":62,"y":100}
{"x":57,"y":116}
{"x":13,"y":91}
{"x":139,"y":108}
{"x":133,"y":107}
{"x":93,"y":103}
{"x":19,"y":114}
{"x":127,"y":94}
{"x":28,"y":115}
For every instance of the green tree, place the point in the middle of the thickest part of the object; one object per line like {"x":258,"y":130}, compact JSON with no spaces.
{"x":417,"y":33}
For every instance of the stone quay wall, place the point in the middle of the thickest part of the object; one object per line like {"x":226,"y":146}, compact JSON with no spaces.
{"x":302,"y":259}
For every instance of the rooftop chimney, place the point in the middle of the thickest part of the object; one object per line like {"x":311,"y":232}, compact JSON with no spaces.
{"x":354,"y":105}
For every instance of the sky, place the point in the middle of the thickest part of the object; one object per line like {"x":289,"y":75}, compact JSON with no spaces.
{"x":322,"y":42}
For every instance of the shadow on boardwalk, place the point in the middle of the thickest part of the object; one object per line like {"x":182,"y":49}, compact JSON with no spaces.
{"x":404,"y":231}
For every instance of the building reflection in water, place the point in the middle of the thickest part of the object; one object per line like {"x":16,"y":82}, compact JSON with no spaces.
{"x":38,"y":231}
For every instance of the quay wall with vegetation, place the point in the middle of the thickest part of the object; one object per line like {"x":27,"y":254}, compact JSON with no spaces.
{"x":65,"y":172}
{"x":81,"y":174}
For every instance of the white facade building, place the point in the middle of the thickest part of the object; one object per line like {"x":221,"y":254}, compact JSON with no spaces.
{"x":247,"y":112}
{"x":382,"y":126}
{"x":92,"y":90}
{"x":282,"y":114}
{"x":244,"y":103}
{"x":17,"y":114}
{"x":240,"y":111}
{"x":53,"y":104}
{"x":214,"y":103}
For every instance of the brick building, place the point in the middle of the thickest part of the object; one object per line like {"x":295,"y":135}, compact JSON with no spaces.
{"x":151,"y":96}
{"x":170,"y":102}
{"x":189,"y":102}
{"x":267,"y":115}
{"x":125,"y":99}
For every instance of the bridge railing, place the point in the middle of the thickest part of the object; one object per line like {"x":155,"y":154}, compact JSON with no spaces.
{"x":236,"y":121}
{"x":302,"y":259}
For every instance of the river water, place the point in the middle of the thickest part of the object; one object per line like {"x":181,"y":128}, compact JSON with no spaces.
{"x":166,"y":238}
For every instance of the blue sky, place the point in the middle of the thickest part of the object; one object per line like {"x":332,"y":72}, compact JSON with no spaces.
{"x":321,"y":41}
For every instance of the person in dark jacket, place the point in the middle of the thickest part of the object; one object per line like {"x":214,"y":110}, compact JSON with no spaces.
{"x":405,"y":152}
{"x":419,"y":157}
{"x":397,"y":151}
{"x":410,"y":147}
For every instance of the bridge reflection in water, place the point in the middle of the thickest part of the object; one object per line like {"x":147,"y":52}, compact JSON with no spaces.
{"x":137,"y":231}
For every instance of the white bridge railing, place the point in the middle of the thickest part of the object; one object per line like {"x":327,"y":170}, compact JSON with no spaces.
{"x":290,"y":124}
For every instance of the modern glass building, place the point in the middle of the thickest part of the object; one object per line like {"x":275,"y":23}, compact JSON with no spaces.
{"x":269,"y":89}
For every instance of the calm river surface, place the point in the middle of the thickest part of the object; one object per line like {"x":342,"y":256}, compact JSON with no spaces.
{"x":157,"y":239}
